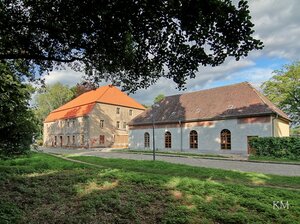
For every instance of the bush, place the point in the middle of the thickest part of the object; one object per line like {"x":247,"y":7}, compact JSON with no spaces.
{"x":39,"y":142}
{"x":278,"y":147}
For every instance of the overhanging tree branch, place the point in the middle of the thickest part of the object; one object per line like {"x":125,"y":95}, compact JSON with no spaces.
{"x":38,"y":57}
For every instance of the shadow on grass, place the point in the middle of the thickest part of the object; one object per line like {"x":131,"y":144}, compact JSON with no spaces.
{"x":60,"y":191}
{"x":46,"y":189}
{"x":168,"y":169}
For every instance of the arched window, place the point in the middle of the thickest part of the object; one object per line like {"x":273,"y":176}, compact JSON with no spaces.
{"x":147,"y":140}
{"x":193,"y":139}
{"x":225,"y":139}
{"x":168,"y":140}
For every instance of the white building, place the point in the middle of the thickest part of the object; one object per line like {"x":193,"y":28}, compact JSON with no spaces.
{"x":218,"y":120}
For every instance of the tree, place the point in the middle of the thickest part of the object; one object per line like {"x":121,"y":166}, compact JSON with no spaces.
{"x":82,"y":87}
{"x":158,"y":98}
{"x":283,"y":89}
{"x":131,"y":43}
{"x":18,"y":125}
{"x":50,"y":98}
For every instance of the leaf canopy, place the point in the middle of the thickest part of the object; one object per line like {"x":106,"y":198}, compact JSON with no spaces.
{"x":131,"y":43}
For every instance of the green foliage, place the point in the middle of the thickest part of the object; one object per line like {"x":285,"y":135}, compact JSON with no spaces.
{"x":132,"y":43}
{"x":295,"y":131}
{"x":82,"y":87}
{"x":283,"y":147}
{"x":158,"y":98}
{"x":18,"y":125}
{"x":50,"y":98}
{"x":283,"y":89}
{"x":9,"y":212}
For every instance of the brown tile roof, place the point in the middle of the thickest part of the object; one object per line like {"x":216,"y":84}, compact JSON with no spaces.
{"x":84,"y":103}
{"x":238,"y":100}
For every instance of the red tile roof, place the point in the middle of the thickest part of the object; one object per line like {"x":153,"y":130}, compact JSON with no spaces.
{"x":238,"y":100}
{"x":83,"y":104}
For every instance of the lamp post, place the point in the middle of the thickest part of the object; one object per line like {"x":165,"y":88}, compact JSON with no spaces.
{"x":153,"y":138}
{"x":153,"y":131}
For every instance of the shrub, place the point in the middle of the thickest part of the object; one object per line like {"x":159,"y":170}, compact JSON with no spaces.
{"x":278,"y":147}
{"x":39,"y":142}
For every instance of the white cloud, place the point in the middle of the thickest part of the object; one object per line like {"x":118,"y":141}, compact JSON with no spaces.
{"x":277,"y":24}
{"x":67,"y":77}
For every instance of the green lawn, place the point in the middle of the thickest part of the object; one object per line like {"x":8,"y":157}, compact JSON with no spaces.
{"x":44,"y":189}
{"x":272,"y":159}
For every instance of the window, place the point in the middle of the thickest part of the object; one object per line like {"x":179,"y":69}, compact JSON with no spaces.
{"x":225,"y":139}
{"x":130,"y":112}
{"x":101,"y":139}
{"x":118,"y":110}
{"x":55,"y":140}
{"x":101,"y":123}
{"x":147,"y":140}
{"x":82,"y":139}
{"x":73,"y":140}
{"x":61,"y":141}
{"x":73,"y":123}
{"x":168,"y":140}
{"x":118,"y":124}
{"x":193,"y":139}
{"x":68,"y":140}
{"x":124,"y":125}
{"x":68,"y":122}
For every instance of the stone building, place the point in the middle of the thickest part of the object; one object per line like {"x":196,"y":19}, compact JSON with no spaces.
{"x":97,"y":118}
{"x":218,"y":120}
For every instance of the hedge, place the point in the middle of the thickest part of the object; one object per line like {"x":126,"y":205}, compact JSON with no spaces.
{"x":278,"y":147}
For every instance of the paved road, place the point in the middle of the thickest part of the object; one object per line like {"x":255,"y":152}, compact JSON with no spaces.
{"x":267,"y":168}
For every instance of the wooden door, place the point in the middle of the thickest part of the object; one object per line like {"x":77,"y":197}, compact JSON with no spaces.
{"x":248,"y":139}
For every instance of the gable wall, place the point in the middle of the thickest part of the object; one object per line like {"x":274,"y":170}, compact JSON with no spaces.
{"x":281,"y":128}
{"x":114,"y":137}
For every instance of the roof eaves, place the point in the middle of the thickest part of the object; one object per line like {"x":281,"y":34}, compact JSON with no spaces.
{"x":264,"y":102}
{"x":204,"y":119}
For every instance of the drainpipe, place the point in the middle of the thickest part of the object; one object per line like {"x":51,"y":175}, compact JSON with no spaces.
{"x":87,"y":127}
{"x":273,"y":128}
{"x":153,"y":138}
{"x":180,"y":125}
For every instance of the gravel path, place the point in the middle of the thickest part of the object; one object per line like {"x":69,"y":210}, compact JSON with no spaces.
{"x":267,"y":168}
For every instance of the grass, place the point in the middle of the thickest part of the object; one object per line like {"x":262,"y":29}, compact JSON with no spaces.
{"x":170,"y":153}
{"x":272,"y":159}
{"x":44,"y":189}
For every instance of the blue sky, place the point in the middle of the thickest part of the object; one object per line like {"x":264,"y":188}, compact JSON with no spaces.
{"x":277,"y":24}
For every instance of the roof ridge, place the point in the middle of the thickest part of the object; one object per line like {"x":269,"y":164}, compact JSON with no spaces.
{"x":202,"y":90}
{"x":108,"y":86}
